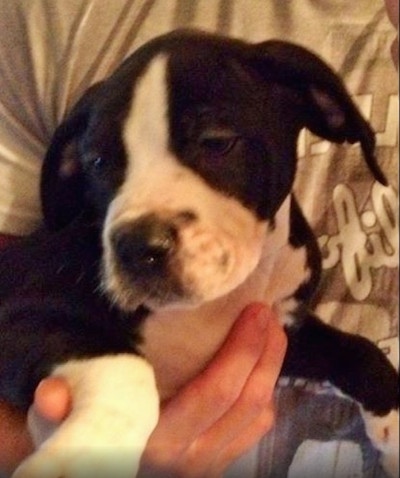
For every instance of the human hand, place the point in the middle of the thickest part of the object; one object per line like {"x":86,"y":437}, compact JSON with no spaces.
{"x":51,"y":405}
{"x":213,"y":420}
{"x":225,"y":410}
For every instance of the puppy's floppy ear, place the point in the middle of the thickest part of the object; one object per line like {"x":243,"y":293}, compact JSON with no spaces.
{"x":62,"y":186}
{"x":328,"y":110}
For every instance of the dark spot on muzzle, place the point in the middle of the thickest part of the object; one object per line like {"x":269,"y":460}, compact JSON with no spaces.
{"x":144,"y":247}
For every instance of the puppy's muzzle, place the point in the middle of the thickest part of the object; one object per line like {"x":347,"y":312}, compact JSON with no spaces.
{"x":163,"y":259}
{"x":143,"y":248}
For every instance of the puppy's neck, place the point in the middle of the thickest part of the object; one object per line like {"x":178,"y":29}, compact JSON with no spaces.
{"x":180,"y":342}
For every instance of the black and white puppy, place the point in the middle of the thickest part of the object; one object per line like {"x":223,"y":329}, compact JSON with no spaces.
{"x":167,"y":194}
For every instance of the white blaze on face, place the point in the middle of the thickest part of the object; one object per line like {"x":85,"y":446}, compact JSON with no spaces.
{"x":222,"y":246}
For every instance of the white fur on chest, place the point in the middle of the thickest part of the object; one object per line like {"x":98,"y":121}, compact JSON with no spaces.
{"x":180,"y":342}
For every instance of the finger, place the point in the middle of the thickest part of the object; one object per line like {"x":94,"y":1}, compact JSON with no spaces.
{"x":201,"y":462}
{"x":52,"y":403}
{"x":206,"y":398}
{"x":244,"y":441}
{"x":257,"y":394}
{"x":52,"y":399}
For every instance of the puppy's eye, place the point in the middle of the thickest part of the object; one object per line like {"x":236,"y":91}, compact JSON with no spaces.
{"x":96,"y":162}
{"x":217,"y":142}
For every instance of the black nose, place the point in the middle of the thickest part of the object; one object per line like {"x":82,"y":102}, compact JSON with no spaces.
{"x":142,"y":248}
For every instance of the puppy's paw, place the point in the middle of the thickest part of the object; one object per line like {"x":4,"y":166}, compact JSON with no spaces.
{"x":79,"y":462}
{"x":115,"y":409}
{"x":40,"y":464}
{"x":384,"y":434}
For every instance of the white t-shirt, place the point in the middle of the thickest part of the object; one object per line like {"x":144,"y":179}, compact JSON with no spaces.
{"x":52,"y":50}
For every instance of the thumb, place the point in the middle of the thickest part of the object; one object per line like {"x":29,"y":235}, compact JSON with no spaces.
{"x":52,"y":403}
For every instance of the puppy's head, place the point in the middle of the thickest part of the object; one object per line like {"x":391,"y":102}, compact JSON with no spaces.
{"x":186,"y":154}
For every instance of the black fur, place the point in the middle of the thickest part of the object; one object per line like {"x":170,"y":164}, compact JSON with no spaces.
{"x":52,"y":308}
